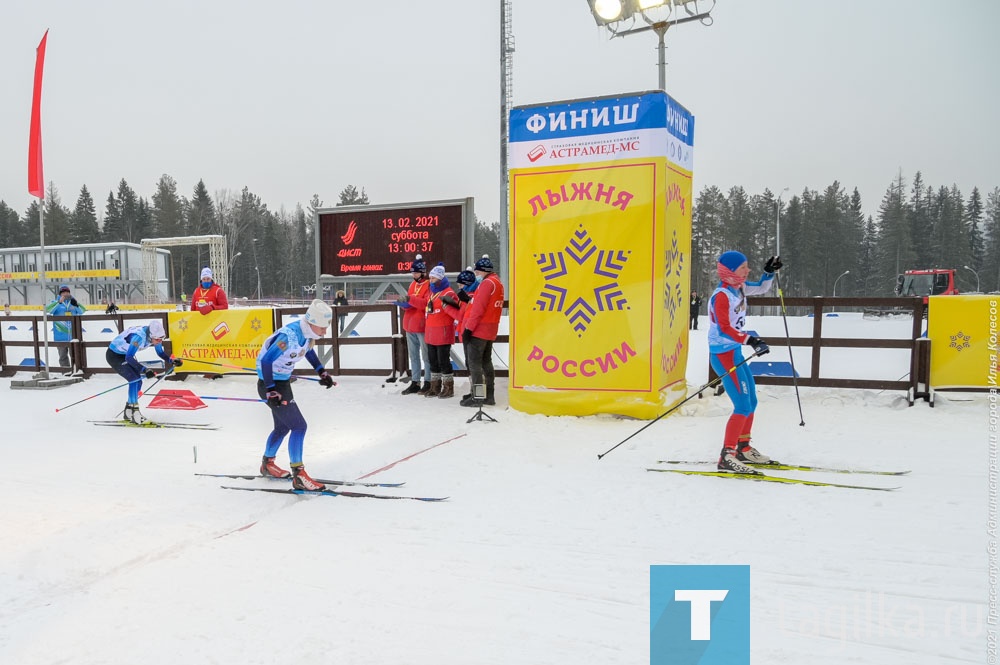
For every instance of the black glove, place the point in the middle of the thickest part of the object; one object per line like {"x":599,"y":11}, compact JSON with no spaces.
{"x":463,"y":296}
{"x":773,"y":264}
{"x":273,"y":398}
{"x":176,"y":362}
{"x":149,"y":373}
{"x":73,"y":302}
{"x":466,"y":336}
{"x":448,"y":300}
{"x":325,"y":379}
{"x":759,"y":346}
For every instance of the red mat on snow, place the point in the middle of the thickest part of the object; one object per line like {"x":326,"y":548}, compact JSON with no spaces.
{"x":181,"y":400}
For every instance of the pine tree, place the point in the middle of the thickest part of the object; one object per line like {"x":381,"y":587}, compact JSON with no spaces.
{"x":29,"y":229}
{"x":303,"y":258}
{"x":919,"y":218}
{"x":349,"y":196}
{"x":83,"y":226}
{"x":114,"y":225}
{"x":10,"y":226}
{"x":990,"y":274}
{"x":895,"y":249}
{"x":707,"y":239}
{"x":974,"y":227}
{"x":200,"y":220}
{"x":56,"y":218}
{"x":128,"y":208}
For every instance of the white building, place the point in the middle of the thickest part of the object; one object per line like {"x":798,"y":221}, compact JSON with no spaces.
{"x":95,"y":272}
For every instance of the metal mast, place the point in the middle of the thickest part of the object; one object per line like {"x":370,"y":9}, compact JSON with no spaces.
{"x":506,"y":94}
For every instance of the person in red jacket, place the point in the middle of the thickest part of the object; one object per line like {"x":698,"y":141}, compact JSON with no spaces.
{"x":466,"y":291}
{"x":414,"y":305}
{"x":482,"y":320}
{"x":440,"y":333}
{"x":209,"y":296}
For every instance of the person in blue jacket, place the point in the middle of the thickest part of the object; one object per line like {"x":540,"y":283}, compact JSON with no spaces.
{"x":275,"y":362}
{"x":64,"y":305}
{"x":121,"y":358}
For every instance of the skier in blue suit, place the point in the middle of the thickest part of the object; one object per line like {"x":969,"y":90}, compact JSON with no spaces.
{"x":121,"y":358}
{"x":275,"y":362}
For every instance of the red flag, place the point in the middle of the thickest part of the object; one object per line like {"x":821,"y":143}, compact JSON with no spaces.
{"x":36,"y":181}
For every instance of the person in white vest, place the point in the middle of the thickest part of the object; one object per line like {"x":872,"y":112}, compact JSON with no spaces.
{"x":121,"y":358}
{"x":275,"y":362}
{"x":727,"y":313}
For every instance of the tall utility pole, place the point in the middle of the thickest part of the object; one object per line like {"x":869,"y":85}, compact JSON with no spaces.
{"x":506,"y":93}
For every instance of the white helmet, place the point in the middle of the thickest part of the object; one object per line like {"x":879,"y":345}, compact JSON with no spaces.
{"x":319,"y":314}
{"x":156,"y":329}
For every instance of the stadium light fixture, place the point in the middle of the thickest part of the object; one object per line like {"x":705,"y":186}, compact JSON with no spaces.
{"x":619,"y":17}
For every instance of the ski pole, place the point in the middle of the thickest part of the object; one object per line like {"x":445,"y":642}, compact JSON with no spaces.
{"x":91,"y":397}
{"x":791,"y":358}
{"x":231,"y":399}
{"x":245,"y":369}
{"x":680,"y":404}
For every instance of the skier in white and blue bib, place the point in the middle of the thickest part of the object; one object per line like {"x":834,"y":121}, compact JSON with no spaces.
{"x":275,"y":362}
{"x":121,"y":358}
{"x":727,"y":311}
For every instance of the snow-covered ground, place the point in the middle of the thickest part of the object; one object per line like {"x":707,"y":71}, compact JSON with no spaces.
{"x":115,"y":552}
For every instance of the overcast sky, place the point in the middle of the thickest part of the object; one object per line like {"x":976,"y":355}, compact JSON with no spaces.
{"x":402,"y":98}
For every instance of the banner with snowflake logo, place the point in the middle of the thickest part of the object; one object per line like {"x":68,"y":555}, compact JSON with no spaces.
{"x":600,"y":193}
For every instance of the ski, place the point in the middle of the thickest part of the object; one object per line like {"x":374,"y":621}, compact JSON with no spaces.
{"x":325,"y":481}
{"x":152,"y":425}
{"x":365,"y":495}
{"x":772,"y":479}
{"x":781,"y":466}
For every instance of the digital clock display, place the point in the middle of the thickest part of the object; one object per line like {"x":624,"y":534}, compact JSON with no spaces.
{"x":384,"y":240}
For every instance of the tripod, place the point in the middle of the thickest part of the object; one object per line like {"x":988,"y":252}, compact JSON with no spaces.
{"x":479,"y":394}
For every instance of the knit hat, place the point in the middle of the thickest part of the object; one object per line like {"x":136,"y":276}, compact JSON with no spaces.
{"x":466,"y":277}
{"x":156,"y":329}
{"x":437,"y":272}
{"x":206,"y":273}
{"x":319,"y":314}
{"x":484,"y":264}
{"x":418,"y":265}
{"x":63,"y":289}
{"x":732,"y":259}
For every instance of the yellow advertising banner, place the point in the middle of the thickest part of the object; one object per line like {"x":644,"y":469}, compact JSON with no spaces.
{"x":963,"y":334}
{"x":61,"y":274}
{"x":600,"y":195}
{"x":229,"y":338}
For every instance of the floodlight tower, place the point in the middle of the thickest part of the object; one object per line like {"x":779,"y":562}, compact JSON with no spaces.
{"x":506,"y":95}
{"x":619,"y":17}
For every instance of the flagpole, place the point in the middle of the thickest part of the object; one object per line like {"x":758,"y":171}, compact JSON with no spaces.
{"x":44,"y":374}
{"x":36,"y":186}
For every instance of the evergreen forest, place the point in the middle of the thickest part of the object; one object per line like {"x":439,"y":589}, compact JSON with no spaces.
{"x":824,"y":237}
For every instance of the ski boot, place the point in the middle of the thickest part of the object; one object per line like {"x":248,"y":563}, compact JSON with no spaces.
{"x":269,"y":468}
{"x":729,"y":461}
{"x":133,"y":415}
{"x":302,"y":481}
{"x":750,"y":455}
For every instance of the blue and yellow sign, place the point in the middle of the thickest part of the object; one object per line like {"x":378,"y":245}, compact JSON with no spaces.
{"x":600,"y":195}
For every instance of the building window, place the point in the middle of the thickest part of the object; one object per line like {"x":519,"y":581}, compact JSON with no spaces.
{"x":31,"y":267}
{"x":48,"y":267}
{"x":99,"y":265}
{"x":81,"y":265}
{"x":65,"y":265}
